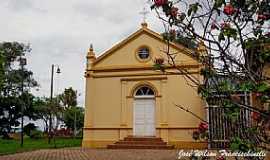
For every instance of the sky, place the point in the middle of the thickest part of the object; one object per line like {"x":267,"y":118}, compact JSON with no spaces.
{"x":61,"y":31}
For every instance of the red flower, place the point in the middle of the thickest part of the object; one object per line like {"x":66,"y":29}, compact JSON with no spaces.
{"x":203,"y":127}
{"x":229,"y":10}
{"x":174,"y":11}
{"x":262,"y":17}
{"x":256,"y":116}
{"x":159,"y":3}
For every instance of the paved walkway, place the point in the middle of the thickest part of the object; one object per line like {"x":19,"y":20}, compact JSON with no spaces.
{"x":93,"y":154}
{"x":96,"y":154}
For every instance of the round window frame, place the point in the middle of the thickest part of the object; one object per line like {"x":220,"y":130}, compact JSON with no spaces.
{"x":139,"y":58}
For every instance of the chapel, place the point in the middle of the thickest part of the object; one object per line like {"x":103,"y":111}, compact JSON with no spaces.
{"x":130,"y":104}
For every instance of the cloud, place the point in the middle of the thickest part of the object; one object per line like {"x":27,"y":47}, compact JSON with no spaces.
{"x":61,"y":31}
{"x":20,"y":6}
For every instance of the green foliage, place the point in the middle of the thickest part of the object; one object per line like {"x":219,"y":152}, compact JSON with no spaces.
{"x":203,"y":91}
{"x":207,"y":72}
{"x":246,"y":86}
{"x":204,"y":135}
{"x":69,"y":117}
{"x":12,"y":79}
{"x":168,"y":37}
{"x":29,"y":128}
{"x":232,"y":110}
{"x":260,"y":55}
{"x":36,"y":134}
{"x":186,"y":41}
{"x":69,"y":97}
{"x":193,"y":8}
{"x":264,"y":56}
{"x":225,"y":87}
{"x":238,"y":144}
{"x":219,"y":3}
{"x":227,"y":31}
{"x":263,"y":87}
{"x":31,"y":131}
{"x":180,"y":38}
{"x":63,"y":107}
{"x":238,"y":37}
{"x":230,"y":33}
{"x":42,"y":109}
{"x":13,"y":146}
{"x":221,"y":37}
{"x":159,"y":67}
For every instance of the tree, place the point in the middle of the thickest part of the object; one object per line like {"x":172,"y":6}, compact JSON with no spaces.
{"x":74,"y":118}
{"x":232,"y":40}
{"x":12,"y":79}
{"x":42,"y":110}
{"x":69,"y":97}
{"x":73,"y":115}
{"x":62,"y":107}
{"x":43,"y":107}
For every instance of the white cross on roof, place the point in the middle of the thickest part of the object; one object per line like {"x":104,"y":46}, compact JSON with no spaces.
{"x":144,"y":13}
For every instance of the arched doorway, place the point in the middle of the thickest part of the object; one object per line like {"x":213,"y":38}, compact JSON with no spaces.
{"x":144,"y":112}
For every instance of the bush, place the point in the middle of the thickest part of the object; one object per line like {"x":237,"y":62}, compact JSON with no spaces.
{"x":63,"y":132}
{"x":6,"y":136}
{"x":80,"y":133}
{"x":29,"y":128}
{"x":36,"y":134}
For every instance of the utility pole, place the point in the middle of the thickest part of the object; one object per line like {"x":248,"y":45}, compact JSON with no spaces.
{"x":51,"y":101}
{"x":50,"y":115}
{"x":22,"y":64}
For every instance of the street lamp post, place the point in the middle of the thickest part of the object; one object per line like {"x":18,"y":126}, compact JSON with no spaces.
{"x":51,"y":100}
{"x":22,"y":64}
{"x":75,"y":121}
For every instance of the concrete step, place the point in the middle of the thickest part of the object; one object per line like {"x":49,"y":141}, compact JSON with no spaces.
{"x":139,"y":146}
{"x":142,"y":139}
{"x":141,"y":142}
{"x":135,"y":142}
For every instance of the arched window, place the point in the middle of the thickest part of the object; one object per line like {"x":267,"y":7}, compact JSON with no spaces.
{"x":145,"y":91}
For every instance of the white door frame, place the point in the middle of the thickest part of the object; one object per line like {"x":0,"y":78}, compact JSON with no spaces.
{"x":154,"y":114}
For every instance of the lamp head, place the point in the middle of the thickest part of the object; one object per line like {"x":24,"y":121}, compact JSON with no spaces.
{"x":58,"y":71}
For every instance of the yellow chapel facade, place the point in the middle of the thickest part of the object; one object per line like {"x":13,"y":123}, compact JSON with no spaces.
{"x":126,"y":96}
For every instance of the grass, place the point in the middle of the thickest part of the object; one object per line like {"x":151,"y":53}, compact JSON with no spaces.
{"x":13,"y":146}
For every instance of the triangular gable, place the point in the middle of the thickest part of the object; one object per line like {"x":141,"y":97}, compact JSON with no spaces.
{"x":133,"y":36}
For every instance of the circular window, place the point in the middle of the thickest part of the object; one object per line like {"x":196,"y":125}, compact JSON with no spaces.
{"x":143,"y":54}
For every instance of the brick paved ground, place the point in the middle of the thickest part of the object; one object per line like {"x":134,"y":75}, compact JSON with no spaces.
{"x":92,"y":154}
{"x":95,"y":154}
